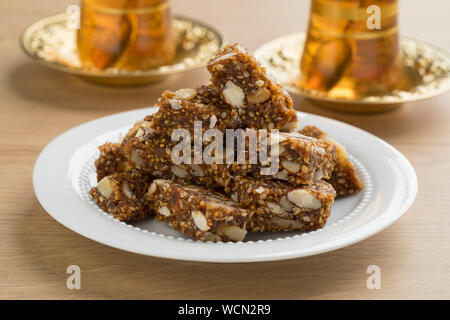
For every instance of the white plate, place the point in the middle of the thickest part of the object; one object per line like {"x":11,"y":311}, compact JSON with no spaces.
{"x":64,"y":173}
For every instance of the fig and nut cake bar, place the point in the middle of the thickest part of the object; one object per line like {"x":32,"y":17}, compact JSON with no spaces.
{"x":122,"y":195}
{"x":243,"y":83}
{"x":197,"y":212}
{"x":180,"y":109}
{"x":291,"y":185}
{"x":111,"y":160}
{"x":300,"y":159}
{"x":152,"y":153}
{"x":343,"y":178}
{"x":278,"y":206}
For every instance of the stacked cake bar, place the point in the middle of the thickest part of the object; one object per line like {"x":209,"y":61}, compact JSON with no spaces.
{"x":225,"y":184}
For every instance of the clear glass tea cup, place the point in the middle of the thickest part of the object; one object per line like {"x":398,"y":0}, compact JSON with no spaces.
{"x":352,"y":49}
{"x":125,"y":34}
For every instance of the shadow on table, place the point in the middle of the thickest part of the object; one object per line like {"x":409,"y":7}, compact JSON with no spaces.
{"x":110,"y":273}
{"x":56,"y":89}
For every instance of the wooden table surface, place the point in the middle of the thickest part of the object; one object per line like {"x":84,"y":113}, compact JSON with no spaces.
{"x":37,"y":104}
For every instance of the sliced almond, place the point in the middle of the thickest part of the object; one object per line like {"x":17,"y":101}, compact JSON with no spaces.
{"x":260,"y":190}
{"x":164,"y":211}
{"x":175,"y":104}
{"x":212,"y":237}
{"x":286,"y":204}
{"x":105,"y":187}
{"x":212,"y":121}
{"x":318,"y":174}
{"x":139,"y":133}
{"x":233,"y":94}
{"x":146,"y":124}
{"x":282,"y":175}
{"x":291,"y":166}
{"x":200,"y":220}
{"x":234,"y":233}
{"x":274,"y":208}
{"x":259,"y":83}
{"x":186,"y":93}
{"x":152,"y":188}
{"x":262,"y":95}
{"x":304,"y":199}
{"x":126,"y":189}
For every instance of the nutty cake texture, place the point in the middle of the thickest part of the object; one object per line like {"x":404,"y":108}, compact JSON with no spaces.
{"x":122,"y":195}
{"x":291,"y":185}
{"x":243,"y":83}
{"x":152,"y":153}
{"x":197,"y":212}
{"x":343,"y":178}
{"x":300,"y":159}
{"x":277,"y":206}
{"x":182,"y":108}
{"x":111,"y":160}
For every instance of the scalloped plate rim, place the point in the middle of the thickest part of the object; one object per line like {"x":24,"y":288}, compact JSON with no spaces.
{"x":47,"y":171}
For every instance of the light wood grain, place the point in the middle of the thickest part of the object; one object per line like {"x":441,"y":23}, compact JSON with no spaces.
{"x":37,"y":104}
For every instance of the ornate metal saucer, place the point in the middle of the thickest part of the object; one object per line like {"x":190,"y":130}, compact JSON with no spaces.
{"x":426,"y":66}
{"x":51,"y":43}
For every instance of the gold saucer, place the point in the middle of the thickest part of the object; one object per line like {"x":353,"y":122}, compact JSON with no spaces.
{"x":51,"y":43}
{"x":427,"y":68}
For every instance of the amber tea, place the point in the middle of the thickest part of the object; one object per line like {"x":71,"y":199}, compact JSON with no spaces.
{"x":125,"y":34}
{"x":352,"y":48}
